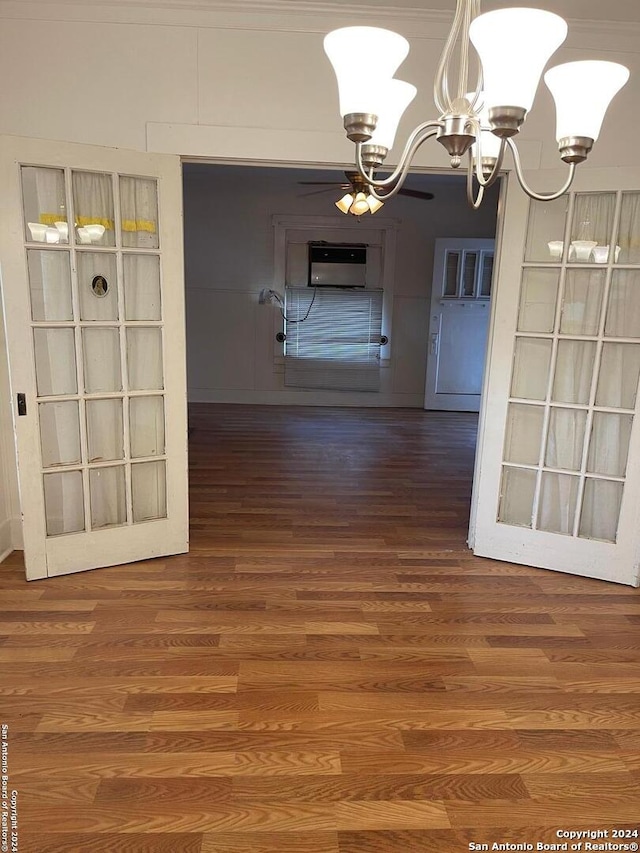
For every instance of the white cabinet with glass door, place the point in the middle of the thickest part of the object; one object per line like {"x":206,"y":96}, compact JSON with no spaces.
{"x":558,"y":472}
{"x":91,"y":253}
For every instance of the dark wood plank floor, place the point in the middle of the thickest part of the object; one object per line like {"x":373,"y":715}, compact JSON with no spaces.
{"x":329,"y":670}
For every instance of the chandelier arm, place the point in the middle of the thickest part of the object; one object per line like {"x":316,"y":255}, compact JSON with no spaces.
{"x":497,"y":166}
{"x":441,"y":94}
{"x":423,"y":132}
{"x":477,"y":201}
{"x":397,"y":185}
{"x":524,"y":185}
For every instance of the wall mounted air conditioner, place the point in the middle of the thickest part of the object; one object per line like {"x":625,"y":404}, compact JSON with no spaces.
{"x":337,"y":264}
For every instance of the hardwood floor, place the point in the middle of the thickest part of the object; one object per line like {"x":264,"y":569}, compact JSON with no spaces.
{"x":329,"y":670}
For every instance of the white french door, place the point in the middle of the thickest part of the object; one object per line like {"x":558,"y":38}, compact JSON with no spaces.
{"x":92,"y":283}
{"x":558,"y":465}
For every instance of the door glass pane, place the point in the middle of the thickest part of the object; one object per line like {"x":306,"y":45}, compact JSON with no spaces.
{"x":591,"y":226}
{"x":63,"y":502}
{"x":469,"y":274}
{"x":142,"y":287}
{"x":59,"y":433}
{"x":516,"y":496}
{"x":44,"y":205}
{"x":55,"y":352}
{"x":93,"y":205}
{"x":104,"y":430}
{"x":146,"y":426}
{"x":623,"y":313}
{"x":450,"y":287}
{"x":107,"y":492}
{"x":574,"y":371}
{"x":618,"y":379}
{"x":139,"y":208}
{"x":524,"y":434}
{"x":565,"y":441}
{"x":101,"y":360}
{"x":97,"y":286}
{"x":601,"y":510}
{"x":609,"y":445}
{"x":486,"y":274}
{"x":531,"y":368}
{"x":144,"y":358}
{"x":148,"y":484}
{"x":582,"y":302}
{"x":545,"y":233}
{"x":49,"y":285}
{"x":538,"y":298}
{"x":628,"y":242}
{"x":557,"y":504}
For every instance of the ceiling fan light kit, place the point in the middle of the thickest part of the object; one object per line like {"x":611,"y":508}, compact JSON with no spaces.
{"x":513,"y":47}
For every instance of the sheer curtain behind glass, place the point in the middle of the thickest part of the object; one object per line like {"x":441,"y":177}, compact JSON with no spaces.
{"x":337,"y":346}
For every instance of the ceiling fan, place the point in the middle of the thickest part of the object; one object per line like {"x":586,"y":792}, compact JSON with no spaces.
{"x":358,"y":199}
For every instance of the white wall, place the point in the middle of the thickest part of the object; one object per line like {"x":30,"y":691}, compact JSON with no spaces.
{"x":229,"y":251}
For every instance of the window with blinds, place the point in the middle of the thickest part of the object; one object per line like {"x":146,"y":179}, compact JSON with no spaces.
{"x":337,"y":346}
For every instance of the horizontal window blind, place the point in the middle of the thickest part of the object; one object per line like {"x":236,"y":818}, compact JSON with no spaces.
{"x":338,"y":345}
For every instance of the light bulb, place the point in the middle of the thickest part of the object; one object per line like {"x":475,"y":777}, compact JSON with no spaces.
{"x":582,"y":92}
{"x":514,"y":45}
{"x":363,"y":59}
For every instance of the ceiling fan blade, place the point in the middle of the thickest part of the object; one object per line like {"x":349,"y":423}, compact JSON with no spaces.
{"x":317,"y":192}
{"x":320,"y":183}
{"x":417,"y":194}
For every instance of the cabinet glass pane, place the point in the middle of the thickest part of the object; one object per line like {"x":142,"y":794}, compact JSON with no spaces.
{"x":101,"y":360}
{"x":545,"y":233}
{"x":628,"y":239}
{"x":107,"y":494}
{"x":142,"y":287}
{"x":144,"y":356}
{"x":104,"y":430}
{"x":574,"y":372}
{"x":591,"y":226}
{"x":44,"y":205}
{"x":609,"y":445}
{"x":146,"y":426}
{"x":619,"y":373}
{"x":55,"y":353}
{"x":149,"y":489}
{"x":59,"y":433}
{"x":139,"y":208}
{"x":582,"y":302}
{"x":565,"y":440}
{"x":49,"y":285}
{"x":93,"y":204}
{"x":623,"y":312}
{"x":600,"y":510}
{"x":557,"y":504}
{"x":97,"y":286}
{"x":524,"y":434}
{"x":450,"y":285}
{"x":516,"y":496}
{"x":63,"y":502}
{"x":531,"y":368}
{"x":538,"y":298}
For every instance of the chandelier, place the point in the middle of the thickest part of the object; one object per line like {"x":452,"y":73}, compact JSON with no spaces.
{"x":513,"y":47}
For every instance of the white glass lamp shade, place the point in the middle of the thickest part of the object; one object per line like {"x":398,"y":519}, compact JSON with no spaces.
{"x":345,"y":203}
{"x":514,"y":45}
{"x":374,"y":204}
{"x":360,"y":205}
{"x":394,"y":98}
{"x":582,"y":92}
{"x":363,"y":58}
